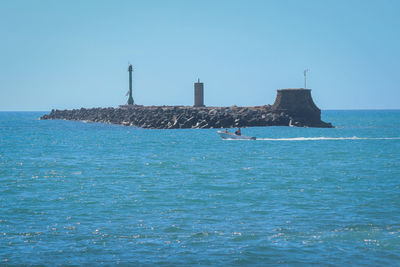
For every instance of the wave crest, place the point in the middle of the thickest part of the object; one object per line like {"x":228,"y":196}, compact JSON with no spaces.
{"x":327,"y":138}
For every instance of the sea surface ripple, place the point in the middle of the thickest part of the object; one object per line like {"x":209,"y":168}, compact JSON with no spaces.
{"x":74,"y":193}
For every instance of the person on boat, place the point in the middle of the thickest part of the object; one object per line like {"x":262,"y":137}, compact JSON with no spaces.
{"x":238,"y":132}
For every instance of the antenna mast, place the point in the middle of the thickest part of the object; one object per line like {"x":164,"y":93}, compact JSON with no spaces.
{"x":305,"y":77}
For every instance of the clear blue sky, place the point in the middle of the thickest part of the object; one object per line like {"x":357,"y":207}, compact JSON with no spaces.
{"x":72,"y":54}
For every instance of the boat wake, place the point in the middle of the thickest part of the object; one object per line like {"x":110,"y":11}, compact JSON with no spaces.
{"x":327,"y":138}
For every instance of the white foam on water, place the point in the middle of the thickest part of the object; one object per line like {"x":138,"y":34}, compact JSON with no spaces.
{"x":327,"y":138}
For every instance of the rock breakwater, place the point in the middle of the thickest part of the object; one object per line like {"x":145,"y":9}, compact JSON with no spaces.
{"x":174,"y":117}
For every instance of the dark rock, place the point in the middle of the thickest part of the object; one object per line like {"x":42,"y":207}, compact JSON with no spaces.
{"x":285,"y":111}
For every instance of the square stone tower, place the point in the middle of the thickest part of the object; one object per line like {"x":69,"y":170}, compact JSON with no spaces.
{"x":198,"y":94}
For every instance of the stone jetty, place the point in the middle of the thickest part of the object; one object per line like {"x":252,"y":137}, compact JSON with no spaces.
{"x":292,"y":107}
{"x":175,"y":117}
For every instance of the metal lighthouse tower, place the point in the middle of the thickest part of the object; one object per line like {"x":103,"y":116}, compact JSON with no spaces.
{"x":130,"y":99}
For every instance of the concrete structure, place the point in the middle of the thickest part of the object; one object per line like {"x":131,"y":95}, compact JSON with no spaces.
{"x":130,"y":99}
{"x":198,"y":94}
{"x":297,"y":103}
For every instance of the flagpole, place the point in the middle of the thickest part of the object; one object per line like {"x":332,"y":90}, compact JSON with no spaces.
{"x":305,"y":78}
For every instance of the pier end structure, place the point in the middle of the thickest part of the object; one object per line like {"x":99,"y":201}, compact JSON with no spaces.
{"x":298,"y":103}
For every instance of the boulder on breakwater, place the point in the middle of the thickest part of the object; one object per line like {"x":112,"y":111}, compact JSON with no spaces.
{"x":292,"y":107}
{"x":178,"y":117}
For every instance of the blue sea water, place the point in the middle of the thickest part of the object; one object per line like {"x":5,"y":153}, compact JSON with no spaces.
{"x":74,"y":193}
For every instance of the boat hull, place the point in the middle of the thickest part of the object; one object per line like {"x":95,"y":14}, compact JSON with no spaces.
{"x":231,"y":136}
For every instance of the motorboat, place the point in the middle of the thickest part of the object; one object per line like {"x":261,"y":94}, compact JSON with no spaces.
{"x":232,"y":136}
